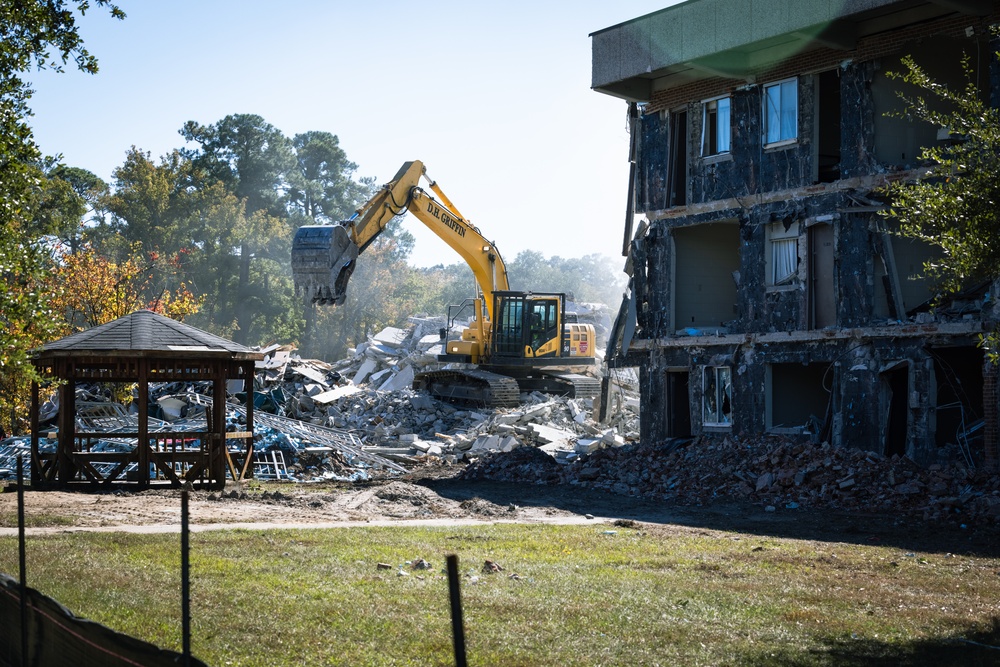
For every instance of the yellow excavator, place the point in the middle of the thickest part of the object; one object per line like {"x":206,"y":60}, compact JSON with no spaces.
{"x":516,"y":341}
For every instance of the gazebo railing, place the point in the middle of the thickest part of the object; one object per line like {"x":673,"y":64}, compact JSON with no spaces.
{"x":106,"y":445}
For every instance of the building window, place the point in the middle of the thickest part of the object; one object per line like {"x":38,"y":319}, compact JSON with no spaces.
{"x":782,"y":252}
{"x":717,"y":397}
{"x":781,"y":112}
{"x":715,"y":128}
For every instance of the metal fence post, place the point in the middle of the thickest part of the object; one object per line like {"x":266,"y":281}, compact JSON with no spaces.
{"x":185,"y":582}
{"x":22,"y":561}
{"x":457,"y":627}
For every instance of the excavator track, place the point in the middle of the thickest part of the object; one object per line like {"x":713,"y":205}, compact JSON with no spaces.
{"x":559,"y":383}
{"x":581,"y":386}
{"x":470,"y":385}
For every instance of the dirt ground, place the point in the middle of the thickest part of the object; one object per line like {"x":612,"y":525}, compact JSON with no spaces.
{"x":435,"y":495}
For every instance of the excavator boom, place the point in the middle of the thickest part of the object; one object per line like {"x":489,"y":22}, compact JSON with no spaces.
{"x":323,"y":256}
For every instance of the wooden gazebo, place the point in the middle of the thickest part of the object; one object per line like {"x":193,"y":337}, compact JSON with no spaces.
{"x":143,"y":348}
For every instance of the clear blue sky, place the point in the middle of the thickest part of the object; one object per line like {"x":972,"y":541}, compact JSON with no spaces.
{"x":494,"y":97}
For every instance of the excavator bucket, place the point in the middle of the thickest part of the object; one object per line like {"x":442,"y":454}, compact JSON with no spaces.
{"x":323,"y":259}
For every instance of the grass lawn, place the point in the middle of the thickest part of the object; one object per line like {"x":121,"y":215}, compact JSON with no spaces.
{"x":583,"y":595}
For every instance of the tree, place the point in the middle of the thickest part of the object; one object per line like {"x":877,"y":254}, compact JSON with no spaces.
{"x":446,"y":286}
{"x":197,"y":226}
{"x":954,"y":206}
{"x":246,"y":153}
{"x":39,"y":34}
{"x":593,"y":278}
{"x":58,"y":210}
{"x":149,"y":202}
{"x":96,"y":289}
{"x":86,"y":184}
{"x":252,"y":159}
{"x":29,"y":31}
{"x":321,"y":187}
{"x":63,"y":197}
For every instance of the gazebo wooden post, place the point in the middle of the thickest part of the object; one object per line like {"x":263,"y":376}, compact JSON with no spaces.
{"x":143,"y":430}
{"x":248,"y":375}
{"x":67,"y":425}
{"x":217,"y":435}
{"x":36,"y":461}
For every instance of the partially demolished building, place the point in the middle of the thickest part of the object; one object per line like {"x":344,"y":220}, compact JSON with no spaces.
{"x":767,"y":293}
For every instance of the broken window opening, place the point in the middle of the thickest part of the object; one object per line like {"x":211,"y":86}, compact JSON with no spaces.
{"x":899,"y":140}
{"x":958,"y":400}
{"x":901,"y":284}
{"x":715,"y":128}
{"x":704,"y":292}
{"x":895,"y":405}
{"x":781,"y":112}
{"x":782,"y":252}
{"x":678,"y":412}
{"x":717,"y":396}
{"x":821,"y":283}
{"x":677,"y":178}
{"x":798,"y":397}
{"x":828,"y":127}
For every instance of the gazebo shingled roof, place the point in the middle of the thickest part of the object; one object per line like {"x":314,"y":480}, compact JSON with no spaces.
{"x":144,"y":331}
{"x":144,"y":347}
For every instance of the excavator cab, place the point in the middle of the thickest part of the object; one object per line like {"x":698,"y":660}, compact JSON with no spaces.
{"x":527,"y":325}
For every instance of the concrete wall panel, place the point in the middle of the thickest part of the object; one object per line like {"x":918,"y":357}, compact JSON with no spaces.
{"x":730,"y":24}
{"x":605,"y":61}
{"x":666,"y":39}
{"x":699,"y":29}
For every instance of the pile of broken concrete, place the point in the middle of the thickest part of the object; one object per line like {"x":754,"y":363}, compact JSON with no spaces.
{"x":369,"y":394}
{"x":775,"y":472}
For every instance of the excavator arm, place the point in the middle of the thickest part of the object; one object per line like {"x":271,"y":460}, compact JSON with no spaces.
{"x":323,"y":256}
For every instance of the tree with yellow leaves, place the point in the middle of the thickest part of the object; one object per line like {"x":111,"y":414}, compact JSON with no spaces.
{"x":94,"y":289}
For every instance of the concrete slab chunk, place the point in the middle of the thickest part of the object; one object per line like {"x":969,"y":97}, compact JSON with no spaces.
{"x":547,"y":434}
{"x":310,"y":373}
{"x":391,"y":337}
{"x":401,"y":380}
{"x":328,"y":397}
{"x":428,"y":341}
{"x":366,"y":369}
{"x":422,"y":402}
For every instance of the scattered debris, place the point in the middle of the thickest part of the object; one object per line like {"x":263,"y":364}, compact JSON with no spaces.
{"x":491,"y":567}
{"x":772,"y":471}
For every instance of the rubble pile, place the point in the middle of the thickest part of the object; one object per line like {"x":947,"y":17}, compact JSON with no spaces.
{"x":410,"y":426}
{"x":370,"y":395}
{"x":318,"y":420}
{"x":771,"y":471}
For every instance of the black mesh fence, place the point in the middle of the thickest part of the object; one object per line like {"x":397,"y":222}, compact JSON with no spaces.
{"x":57,"y":638}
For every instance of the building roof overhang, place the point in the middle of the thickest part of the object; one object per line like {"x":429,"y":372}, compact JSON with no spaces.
{"x":701,"y":39}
